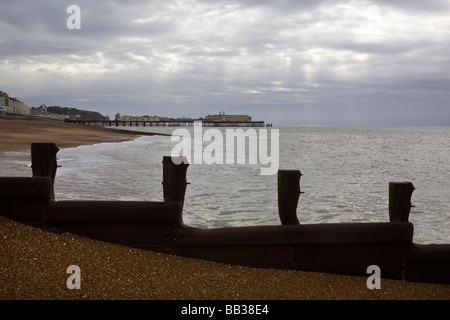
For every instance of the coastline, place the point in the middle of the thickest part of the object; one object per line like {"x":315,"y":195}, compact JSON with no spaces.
{"x":19,"y":134}
{"x":16,"y":136}
{"x":33,"y":263}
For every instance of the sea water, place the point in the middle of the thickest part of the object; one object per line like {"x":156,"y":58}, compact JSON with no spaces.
{"x":345,"y":177}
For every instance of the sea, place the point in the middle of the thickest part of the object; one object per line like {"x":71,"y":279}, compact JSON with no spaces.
{"x":345,"y":177}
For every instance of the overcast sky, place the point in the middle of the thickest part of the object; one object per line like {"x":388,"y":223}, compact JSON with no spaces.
{"x":287,"y":62}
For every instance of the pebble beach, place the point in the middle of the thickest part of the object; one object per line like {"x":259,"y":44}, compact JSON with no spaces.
{"x":33,"y":263}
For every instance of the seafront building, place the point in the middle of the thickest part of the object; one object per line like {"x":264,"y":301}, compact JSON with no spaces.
{"x":12,"y":105}
{"x":118,"y":117}
{"x":222,"y":117}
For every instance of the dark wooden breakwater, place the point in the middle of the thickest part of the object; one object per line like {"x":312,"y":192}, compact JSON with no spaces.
{"x":341,"y":248}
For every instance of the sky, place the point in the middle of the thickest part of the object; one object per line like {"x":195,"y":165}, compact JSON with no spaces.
{"x":285,"y":62}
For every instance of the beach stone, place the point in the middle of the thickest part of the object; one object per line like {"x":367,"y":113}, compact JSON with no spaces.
{"x":33,"y":265}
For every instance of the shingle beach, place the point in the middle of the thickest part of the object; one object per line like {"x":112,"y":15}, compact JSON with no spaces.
{"x":33,"y":263}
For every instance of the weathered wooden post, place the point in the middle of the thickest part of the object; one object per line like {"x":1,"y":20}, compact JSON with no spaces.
{"x":174,"y":179}
{"x":288,"y":195}
{"x":400,"y":201}
{"x":43,"y":160}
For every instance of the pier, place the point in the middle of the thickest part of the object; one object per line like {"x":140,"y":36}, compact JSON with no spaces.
{"x":166,"y":123}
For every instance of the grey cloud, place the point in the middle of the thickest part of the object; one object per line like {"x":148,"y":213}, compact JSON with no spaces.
{"x":296,"y":62}
{"x":420,"y":6}
{"x":278,"y":5}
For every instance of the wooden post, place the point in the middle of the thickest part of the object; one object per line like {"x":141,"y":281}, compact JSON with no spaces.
{"x":400,"y":201}
{"x":43,"y":160}
{"x":174,"y":179}
{"x":288,"y":195}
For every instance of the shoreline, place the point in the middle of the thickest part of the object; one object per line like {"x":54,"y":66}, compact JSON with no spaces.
{"x":19,"y":134}
{"x":16,"y":136}
{"x":33,"y":262}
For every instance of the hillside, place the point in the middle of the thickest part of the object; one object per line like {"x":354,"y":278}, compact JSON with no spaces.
{"x":84,"y":114}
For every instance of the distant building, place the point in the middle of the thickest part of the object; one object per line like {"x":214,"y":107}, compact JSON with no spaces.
{"x":222,"y":117}
{"x":41,"y":111}
{"x":128,"y":118}
{"x":137,"y":118}
{"x":12,"y":105}
{"x":150,"y":118}
{"x":184,"y":119}
{"x":2,"y":106}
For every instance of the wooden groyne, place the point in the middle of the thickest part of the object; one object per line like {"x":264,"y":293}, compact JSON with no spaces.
{"x":341,"y":248}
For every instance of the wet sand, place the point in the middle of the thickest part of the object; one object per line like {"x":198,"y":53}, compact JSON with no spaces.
{"x":33,"y":263}
{"x":16,"y":137}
